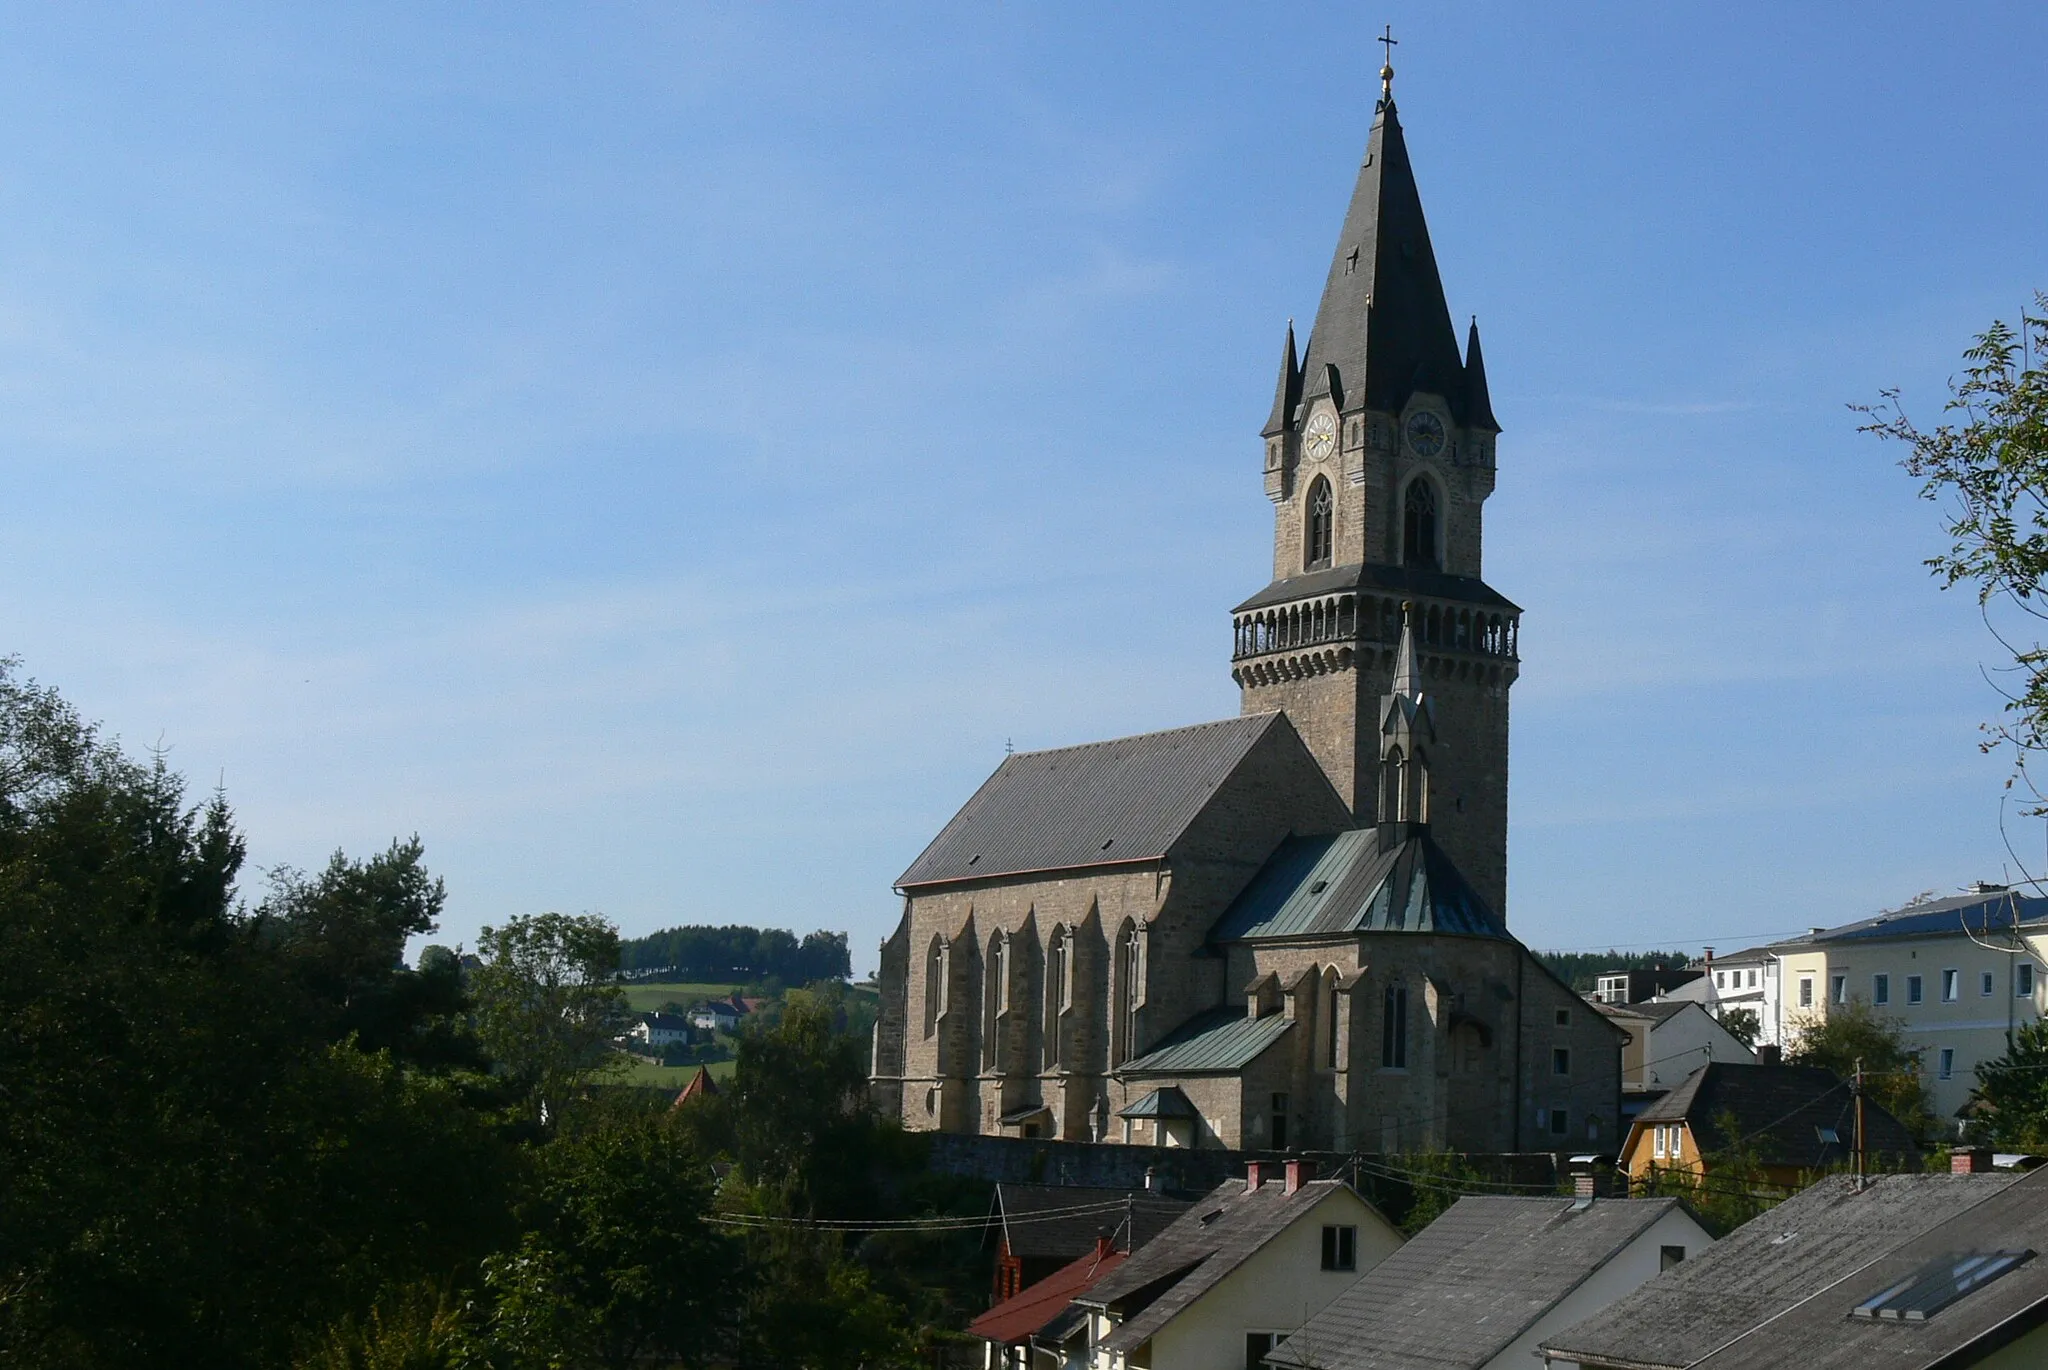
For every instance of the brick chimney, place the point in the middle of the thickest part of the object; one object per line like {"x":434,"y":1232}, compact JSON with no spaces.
{"x":1969,"y":1160}
{"x":1299,"y":1173}
{"x":1593,"y":1177}
{"x":1252,"y":1178}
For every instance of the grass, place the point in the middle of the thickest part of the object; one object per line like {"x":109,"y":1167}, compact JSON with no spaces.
{"x":640,"y":1071}
{"x":652,"y":995}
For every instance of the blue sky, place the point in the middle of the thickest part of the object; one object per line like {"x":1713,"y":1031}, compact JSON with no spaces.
{"x":661,"y":454}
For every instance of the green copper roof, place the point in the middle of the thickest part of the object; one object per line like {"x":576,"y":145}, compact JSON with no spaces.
{"x":1357,"y":881}
{"x":1165,"y":1102}
{"x":1217,"y":1042}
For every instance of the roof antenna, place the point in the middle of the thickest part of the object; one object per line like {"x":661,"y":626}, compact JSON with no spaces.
{"x":1009,"y":747}
{"x":1388,"y":41}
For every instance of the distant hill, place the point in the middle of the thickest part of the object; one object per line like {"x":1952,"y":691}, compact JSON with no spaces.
{"x":1578,"y":968}
{"x":739,"y":955}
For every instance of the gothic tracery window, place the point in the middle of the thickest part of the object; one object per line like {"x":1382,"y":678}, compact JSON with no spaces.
{"x":935,"y":970}
{"x":1418,"y":525}
{"x":1128,"y":970}
{"x":1058,"y":993}
{"x":996,"y":994}
{"x":1318,"y":537}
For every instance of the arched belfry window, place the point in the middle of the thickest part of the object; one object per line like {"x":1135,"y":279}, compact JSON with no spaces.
{"x":1318,"y":536}
{"x":1419,"y":525}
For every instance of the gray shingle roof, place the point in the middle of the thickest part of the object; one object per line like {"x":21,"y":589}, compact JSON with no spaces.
{"x":1099,"y":804}
{"x":1318,"y":886}
{"x":1201,"y":1247}
{"x":1219,"y":1042}
{"x":1768,"y":1265}
{"x":1466,"y":1286}
{"x":1777,"y":1111}
{"x":1417,"y":581}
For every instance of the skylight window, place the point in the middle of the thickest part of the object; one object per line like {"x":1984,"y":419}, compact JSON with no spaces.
{"x":1938,"y":1284}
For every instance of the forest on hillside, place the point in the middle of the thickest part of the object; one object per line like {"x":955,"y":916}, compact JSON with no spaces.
{"x":739,"y":955}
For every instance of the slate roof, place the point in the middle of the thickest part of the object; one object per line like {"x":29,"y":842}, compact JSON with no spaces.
{"x":1102,"y":803}
{"x":1979,"y":913}
{"x":1766,"y":1267}
{"x":1218,"y":1042}
{"x":1776,"y":1111}
{"x":1191,"y":1257}
{"x":1823,"y":1333}
{"x":1656,"y":1009}
{"x":1325,"y":886}
{"x":1382,"y":326}
{"x":1416,"y":581}
{"x":1020,"y":1211}
{"x":1033,"y":1308}
{"x":1465,"y":1287}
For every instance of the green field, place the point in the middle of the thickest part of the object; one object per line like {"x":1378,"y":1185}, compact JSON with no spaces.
{"x":644,"y":1072}
{"x":652,"y":995}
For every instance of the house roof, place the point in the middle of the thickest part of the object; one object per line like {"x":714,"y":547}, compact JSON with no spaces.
{"x":1103,"y":803}
{"x":1165,"y":1102}
{"x":666,"y":1022}
{"x":701,"y":1086}
{"x":1357,"y":881}
{"x":1767,"y":1267}
{"x":1408,"y":582}
{"x":1470,"y":1283}
{"x":1194,"y":1254}
{"x":1032,"y":1308}
{"x":1063,"y":1221}
{"x":1218,"y":1041}
{"x":1657,"y":1010}
{"x":1825,"y":1331}
{"x":1979,"y":913}
{"x":1778,"y":1112}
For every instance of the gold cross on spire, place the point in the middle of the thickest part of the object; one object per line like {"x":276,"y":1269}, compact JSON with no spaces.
{"x":1389,"y":42}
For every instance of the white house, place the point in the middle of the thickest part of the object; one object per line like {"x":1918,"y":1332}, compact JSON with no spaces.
{"x":1482,"y":1286}
{"x":660,"y":1029}
{"x":1233,"y":1275}
{"x":1668,"y":1040}
{"x":717,"y":1015}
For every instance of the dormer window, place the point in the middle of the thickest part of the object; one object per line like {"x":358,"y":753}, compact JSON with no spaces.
{"x":1318,"y":535}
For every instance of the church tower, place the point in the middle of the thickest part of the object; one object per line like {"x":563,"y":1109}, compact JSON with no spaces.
{"x":1379,"y":456}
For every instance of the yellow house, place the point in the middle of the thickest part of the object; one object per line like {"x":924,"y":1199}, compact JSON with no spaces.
{"x":1796,"y":1121}
{"x":1231,"y":1277}
{"x":1961,"y":973}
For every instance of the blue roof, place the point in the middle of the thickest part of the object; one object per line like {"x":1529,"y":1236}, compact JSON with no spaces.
{"x":1217,"y":1042}
{"x":1981,"y":912}
{"x":1353,"y":882}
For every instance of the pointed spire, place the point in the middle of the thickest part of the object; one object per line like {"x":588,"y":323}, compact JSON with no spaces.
{"x":1407,"y":668}
{"x":1287,"y":394}
{"x":1383,"y":324}
{"x":1478,"y":405}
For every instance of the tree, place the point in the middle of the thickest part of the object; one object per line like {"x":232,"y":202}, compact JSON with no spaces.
{"x":547,"y":1003}
{"x":2009,"y":1107}
{"x":1989,"y":463}
{"x":1855,"y":1033}
{"x":1743,"y":1025}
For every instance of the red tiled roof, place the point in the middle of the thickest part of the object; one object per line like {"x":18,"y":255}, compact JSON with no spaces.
{"x":700,"y":1086}
{"x":1024,"y":1312}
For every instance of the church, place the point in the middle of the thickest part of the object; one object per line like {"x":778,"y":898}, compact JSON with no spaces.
{"x":1285,"y":929}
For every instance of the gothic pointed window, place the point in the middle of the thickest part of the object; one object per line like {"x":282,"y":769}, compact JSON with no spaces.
{"x":1326,"y":1018}
{"x":1318,"y":537}
{"x":996,"y":996}
{"x":1128,"y":970}
{"x":1058,"y":993}
{"x":935,"y":971}
{"x":1418,"y":525}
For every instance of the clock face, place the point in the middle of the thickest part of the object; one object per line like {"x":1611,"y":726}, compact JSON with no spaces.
{"x":1320,"y":438}
{"x":1425,"y":433}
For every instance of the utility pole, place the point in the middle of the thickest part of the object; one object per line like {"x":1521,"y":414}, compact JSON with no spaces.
{"x":1858,"y":1088}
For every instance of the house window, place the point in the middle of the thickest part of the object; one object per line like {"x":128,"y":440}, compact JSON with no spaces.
{"x":1657,"y":1141}
{"x":1668,"y":1256}
{"x":1838,"y":988}
{"x":1394,"y":1029}
{"x":1951,"y":986}
{"x":1914,"y":994}
{"x":1806,"y":991}
{"x":1752,"y":978}
{"x":1880,"y":989}
{"x":1564,"y":1017}
{"x":1418,"y":525}
{"x":1560,"y":1121}
{"x":1985,"y":984}
{"x":1340,"y":1248}
{"x":1560,"y":1060}
{"x":1256,"y":1345}
{"x":1948,"y":1063}
{"x":2023,"y":980}
{"x":1317,"y":540}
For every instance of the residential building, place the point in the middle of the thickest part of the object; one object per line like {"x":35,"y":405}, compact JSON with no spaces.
{"x":1295,"y":919}
{"x":1908,"y":1272}
{"x":1962,"y":974}
{"x":1040,"y":1228}
{"x":1481,"y":1286}
{"x":1796,"y":1121}
{"x":1668,"y":1040}
{"x":660,"y":1029}
{"x":1746,"y":981}
{"x":1632,"y":986}
{"x":1233,"y":1275}
{"x":716,"y":1016}
{"x":1026,"y":1329}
